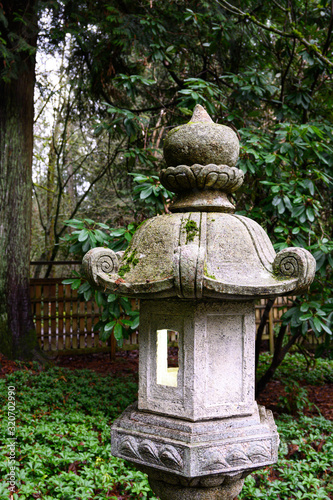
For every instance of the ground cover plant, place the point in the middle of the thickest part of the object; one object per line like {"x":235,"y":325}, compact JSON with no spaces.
{"x":63,"y":450}
{"x":63,"y":445}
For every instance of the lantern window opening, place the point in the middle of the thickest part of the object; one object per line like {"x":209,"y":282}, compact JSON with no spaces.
{"x":166,"y":371}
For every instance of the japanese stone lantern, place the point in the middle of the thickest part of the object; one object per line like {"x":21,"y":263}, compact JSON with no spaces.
{"x":197,"y":430}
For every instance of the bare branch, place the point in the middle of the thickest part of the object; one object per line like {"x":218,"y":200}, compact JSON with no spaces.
{"x":279,"y":6}
{"x":39,"y":207}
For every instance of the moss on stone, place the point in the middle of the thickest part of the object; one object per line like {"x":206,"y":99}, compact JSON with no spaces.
{"x":191,"y":229}
{"x":129,"y":260}
{"x":124,"y":269}
{"x":211,"y":276}
{"x":278,"y":276}
{"x":141,"y":224}
{"x":132,"y":259}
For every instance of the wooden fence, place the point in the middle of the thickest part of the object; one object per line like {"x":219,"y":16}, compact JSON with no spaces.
{"x":65,"y":324}
{"x":280,"y":306}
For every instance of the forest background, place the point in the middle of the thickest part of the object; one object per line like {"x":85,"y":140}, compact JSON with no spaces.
{"x":127,"y":73}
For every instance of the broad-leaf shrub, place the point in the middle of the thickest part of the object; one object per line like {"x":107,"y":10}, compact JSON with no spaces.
{"x":117,"y":314}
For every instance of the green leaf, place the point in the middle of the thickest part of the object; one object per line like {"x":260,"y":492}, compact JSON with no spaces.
{"x":281,"y":208}
{"x":100,"y":236}
{"x":109,"y":326}
{"x":317,"y":324}
{"x":326,"y":328}
{"x":99,"y":297}
{"x":146,"y":192}
{"x":135,"y":322}
{"x":83,"y":235}
{"x":118,"y":332}
{"x":86,"y":246}
{"x":297,"y":211}
{"x":305,"y":317}
{"x":117,"y":232}
{"x":76,"y":284}
{"x":79,"y":224}
{"x":126,"y":322}
{"x":112,"y":297}
{"x":103,"y":226}
{"x":77,"y":248}
{"x":287,"y":203}
{"x":270,"y":158}
{"x":310,"y":214}
{"x":84,"y":287}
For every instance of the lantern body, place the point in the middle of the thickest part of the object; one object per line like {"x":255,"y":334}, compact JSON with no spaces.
{"x":197,"y":430}
{"x":215,"y":377}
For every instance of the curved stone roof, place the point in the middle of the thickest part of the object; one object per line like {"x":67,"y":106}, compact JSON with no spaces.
{"x":201,"y":254}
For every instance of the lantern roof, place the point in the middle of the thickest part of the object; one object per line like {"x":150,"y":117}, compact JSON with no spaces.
{"x":201,"y":249}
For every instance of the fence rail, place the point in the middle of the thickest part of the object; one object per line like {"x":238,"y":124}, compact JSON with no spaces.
{"x":65,"y":324}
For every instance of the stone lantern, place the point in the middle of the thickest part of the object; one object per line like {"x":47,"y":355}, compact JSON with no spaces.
{"x":197,"y":430}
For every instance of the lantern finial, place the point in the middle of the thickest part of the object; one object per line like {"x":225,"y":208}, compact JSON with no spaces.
{"x":201,"y":157}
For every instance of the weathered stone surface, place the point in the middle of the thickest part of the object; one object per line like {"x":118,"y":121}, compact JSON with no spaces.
{"x":201,"y":141}
{"x":184,"y":178}
{"x":202,"y":186}
{"x":202,"y":201}
{"x":295,"y":262}
{"x":218,"y":486}
{"x":201,"y":254}
{"x":99,"y":264}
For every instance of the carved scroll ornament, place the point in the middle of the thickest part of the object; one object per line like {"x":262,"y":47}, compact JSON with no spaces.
{"x":98,"y":263}
{"x":295,"y":263}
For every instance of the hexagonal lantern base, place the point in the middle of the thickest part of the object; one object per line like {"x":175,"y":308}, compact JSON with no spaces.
{"x":196,"y":449}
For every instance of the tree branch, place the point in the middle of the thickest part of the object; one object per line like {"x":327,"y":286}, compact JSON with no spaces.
{"x":261,"y":328}
{"x":284,"y":76}
{"x":39,"y":207}
{"x":312,"y":48}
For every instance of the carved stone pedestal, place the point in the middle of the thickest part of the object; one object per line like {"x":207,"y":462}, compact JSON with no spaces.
{"x":216,"y":487}
{"x":195,"y":460}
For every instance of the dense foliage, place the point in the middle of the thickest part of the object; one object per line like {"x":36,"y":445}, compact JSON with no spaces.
{"x":132,"y":70}
{"x":63,"y":440}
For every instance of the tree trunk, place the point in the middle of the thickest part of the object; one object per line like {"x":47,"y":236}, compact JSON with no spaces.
{"x":17,"y":335}
{"x":261,"y":328}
